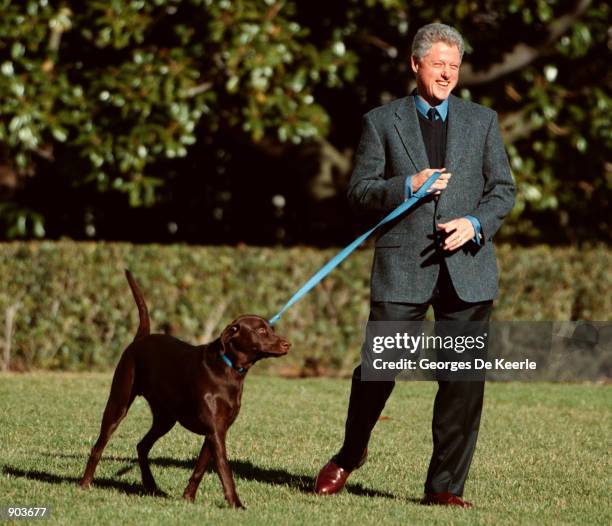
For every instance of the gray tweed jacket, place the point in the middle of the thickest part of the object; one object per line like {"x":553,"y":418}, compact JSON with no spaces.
{"x":406,"y":261}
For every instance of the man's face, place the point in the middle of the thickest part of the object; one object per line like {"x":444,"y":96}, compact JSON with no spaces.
{"x":437,"y":72}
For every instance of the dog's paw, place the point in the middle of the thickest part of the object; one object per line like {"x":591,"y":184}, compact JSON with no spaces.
{"x":238,"y":505}
{"x":189,"y":495}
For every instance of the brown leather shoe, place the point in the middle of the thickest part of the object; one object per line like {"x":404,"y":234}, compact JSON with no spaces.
{"x":332,"y":477}
{"x":445,"y":499}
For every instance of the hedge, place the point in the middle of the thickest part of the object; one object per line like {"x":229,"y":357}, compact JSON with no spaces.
{"x":67,"y":305}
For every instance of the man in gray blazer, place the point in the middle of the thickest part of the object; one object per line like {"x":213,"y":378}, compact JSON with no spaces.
{"x":440,"y":253}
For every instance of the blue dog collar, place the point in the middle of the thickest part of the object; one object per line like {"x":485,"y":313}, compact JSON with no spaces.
{"x":241,"y":370}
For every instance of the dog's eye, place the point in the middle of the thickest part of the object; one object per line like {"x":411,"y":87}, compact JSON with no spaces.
{"x":234,"y":328}
{"x":263,"y":331}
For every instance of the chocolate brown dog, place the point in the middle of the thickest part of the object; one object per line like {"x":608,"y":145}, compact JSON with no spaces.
{"x":198,"y":386}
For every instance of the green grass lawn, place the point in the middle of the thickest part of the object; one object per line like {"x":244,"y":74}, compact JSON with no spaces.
{"x":543,"y":456}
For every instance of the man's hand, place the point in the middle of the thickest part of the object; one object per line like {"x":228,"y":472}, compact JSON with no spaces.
{"x":419,"y":179}
{"x":459,"y":231}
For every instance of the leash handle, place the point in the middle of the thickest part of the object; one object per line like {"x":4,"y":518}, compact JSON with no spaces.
{"x":346,"y":251}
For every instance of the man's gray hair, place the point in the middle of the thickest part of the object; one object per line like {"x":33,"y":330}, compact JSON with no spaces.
{"x":430,"y":34}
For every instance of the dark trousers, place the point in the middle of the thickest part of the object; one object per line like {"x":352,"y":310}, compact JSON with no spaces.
{"x":457,"y":407}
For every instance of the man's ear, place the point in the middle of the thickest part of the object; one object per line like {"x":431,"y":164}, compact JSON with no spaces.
{"x":414,"y":63}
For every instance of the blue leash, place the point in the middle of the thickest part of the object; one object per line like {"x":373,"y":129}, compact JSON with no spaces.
{"x":341,"y":256}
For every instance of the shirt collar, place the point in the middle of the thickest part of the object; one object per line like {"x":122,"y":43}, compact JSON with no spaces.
{"x":423,"y":107}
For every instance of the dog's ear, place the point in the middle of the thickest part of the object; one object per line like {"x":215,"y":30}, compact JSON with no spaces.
{"x":228,"y":333}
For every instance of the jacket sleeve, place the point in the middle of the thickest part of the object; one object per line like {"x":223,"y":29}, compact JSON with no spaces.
{"x":499,"y":188}
{"x":368,"y":189}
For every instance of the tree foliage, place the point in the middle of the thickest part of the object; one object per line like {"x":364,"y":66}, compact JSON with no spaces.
{"x":135,"y":98}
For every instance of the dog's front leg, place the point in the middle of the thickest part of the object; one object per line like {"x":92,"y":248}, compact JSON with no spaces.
{"x":198,"y":472}
{"x":223,"y":468}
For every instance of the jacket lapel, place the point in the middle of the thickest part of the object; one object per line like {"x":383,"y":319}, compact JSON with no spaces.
{"x":407,"y":126}
{"x":456,"y":134}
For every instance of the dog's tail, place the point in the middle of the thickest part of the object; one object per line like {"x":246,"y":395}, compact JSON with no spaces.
{"x":144,"y":327}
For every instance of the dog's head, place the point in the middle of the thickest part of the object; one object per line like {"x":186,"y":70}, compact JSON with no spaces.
{"x":250,"y":338}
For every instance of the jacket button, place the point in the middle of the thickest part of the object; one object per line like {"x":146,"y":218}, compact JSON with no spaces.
{"x":439,"y":216}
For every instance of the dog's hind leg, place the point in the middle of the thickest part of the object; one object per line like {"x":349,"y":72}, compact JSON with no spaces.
{"x":198,"y":472}
{"x":119,"y":401}
{"x":162,"y":423}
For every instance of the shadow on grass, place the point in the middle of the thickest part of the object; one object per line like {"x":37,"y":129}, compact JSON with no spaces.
{"x":50,"y":478}
{"x":241,"y":469}
{"x":248,"y":471}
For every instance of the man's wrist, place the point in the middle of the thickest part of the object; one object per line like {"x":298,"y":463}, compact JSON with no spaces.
{"x":477,"y":229}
